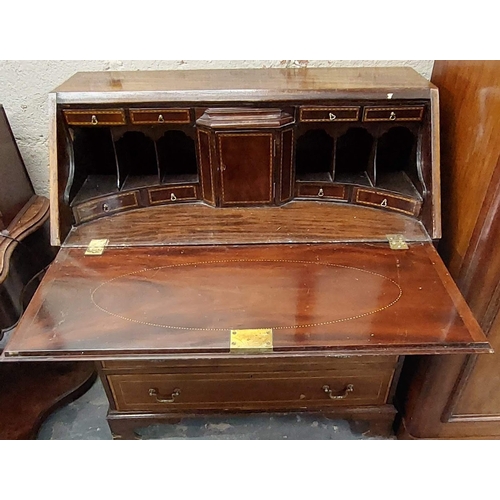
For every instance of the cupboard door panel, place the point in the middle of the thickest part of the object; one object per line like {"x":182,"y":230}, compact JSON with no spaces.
{"x":246,"y":168}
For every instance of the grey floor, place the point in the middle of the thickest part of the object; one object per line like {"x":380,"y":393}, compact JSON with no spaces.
{"x":85,"y":418}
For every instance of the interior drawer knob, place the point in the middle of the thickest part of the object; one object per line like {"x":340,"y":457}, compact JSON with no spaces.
{"x":161,"y":119}
{"x":94,"y":120}
{"x":321,"y":193}
{"x":173,"y":197}
{"x":392,"y":116}
{"x":332,"y":116}
{"x":349,"y":388}
{"x":153,"y":392}
{"x":105,"y":207}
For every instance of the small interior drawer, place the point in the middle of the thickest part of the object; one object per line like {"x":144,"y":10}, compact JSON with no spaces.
{"x":170,"y":392}
{"x":95,"y":117}
{"x":172,"y":194}
{"x":105,"y":206}
{"x":388,"y":201}
{"x":147,"y":116}
{"x":394,"y":113}
{"x":321,"y":191}
{"x":329,"y":114}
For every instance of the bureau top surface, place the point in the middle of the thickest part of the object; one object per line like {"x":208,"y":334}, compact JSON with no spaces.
{"x":245,"y":84}
{"x":185,"y":301}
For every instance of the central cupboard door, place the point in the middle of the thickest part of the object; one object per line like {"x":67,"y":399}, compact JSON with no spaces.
{"x":246,"y":168}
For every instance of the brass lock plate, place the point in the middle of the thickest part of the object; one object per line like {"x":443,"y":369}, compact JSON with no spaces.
{"x":251,"y":341}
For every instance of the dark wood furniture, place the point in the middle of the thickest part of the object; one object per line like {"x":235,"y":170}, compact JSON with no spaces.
{"x":242,"y":241}
{"x":466,"y":402}
{"x":28,"y":391}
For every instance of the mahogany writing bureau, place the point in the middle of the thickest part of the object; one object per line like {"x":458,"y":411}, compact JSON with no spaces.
{"x":246,"y":241}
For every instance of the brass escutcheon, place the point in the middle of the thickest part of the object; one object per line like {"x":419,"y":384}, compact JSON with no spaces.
{"x":94,"y":120}
{"x":161,"y":119}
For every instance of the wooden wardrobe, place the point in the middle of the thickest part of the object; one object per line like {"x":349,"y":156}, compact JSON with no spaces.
{"x":459,"y":396}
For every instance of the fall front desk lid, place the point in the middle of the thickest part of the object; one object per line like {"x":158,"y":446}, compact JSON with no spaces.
{"x":301,"y":299}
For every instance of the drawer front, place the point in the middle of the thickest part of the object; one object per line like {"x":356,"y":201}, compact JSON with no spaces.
{"x":322,"y":192}
{"x":260,"y":365}
{"x":252,"y":390}
{"x":329,"y":114}
{"x":393,"y":114}
{"x":95,"y":117}
{"x":146,"y":116}
{"x":106,"y":206}
{"x":388,"y":201}
{"x":160,"y":196}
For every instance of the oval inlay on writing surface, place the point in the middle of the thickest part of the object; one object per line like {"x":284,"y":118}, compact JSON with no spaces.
{"x":229,"y":294}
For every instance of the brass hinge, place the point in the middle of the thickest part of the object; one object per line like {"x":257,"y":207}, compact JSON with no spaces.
{"x":96,"y":247}
{"x":397,"y":241}
{"x":251,"y":341}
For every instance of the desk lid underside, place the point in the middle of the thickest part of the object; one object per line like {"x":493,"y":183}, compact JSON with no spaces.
{"x":184,"y":301}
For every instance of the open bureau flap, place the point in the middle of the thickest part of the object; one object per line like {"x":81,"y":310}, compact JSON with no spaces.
{"x":354,"y":298}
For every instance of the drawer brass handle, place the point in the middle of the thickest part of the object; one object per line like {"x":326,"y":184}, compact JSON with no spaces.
{"x":392,"y":116}
{"x":384,"y":202}
{"x":332,"y":116}
{"x":105,"y":207}
{"x":320,"y":192}
{"x":349,"y":388}
{"x":161,"y":119}
{"x":94,"y":120}
{"x":173,"y":197}
{"x":153,"y":392}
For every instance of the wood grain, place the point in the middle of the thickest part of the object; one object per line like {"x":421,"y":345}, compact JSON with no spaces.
{"x":465,"y":404}
{"x":469,"y":95}
{"x":295,"y":222}
{"x":242,"y":85}
{"x":339,"y":298}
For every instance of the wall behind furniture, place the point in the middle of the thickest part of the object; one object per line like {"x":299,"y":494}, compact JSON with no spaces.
{"x":24,"y":87}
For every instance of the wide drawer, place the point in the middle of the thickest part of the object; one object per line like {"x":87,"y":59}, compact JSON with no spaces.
{"x":162,"y":195}
{"x":105,"y":206}
{"x":388,"y":114}
{"x":95,"y":117}
{"x":322,"y":191}
{"x":329,"y":114}
{"x":249,"y":390}
{"x":147,"y":116}
{"x":387,"y":201}
{"x":256,"y":364}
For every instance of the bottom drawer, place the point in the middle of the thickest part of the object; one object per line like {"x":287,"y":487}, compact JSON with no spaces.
{"x":247,"y":391}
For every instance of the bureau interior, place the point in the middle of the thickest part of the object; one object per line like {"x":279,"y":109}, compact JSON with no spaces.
{"x":112,"y":159}
{"x":364,"y":144}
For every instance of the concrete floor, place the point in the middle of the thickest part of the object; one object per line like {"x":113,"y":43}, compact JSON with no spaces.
{"x":85,"y":418}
